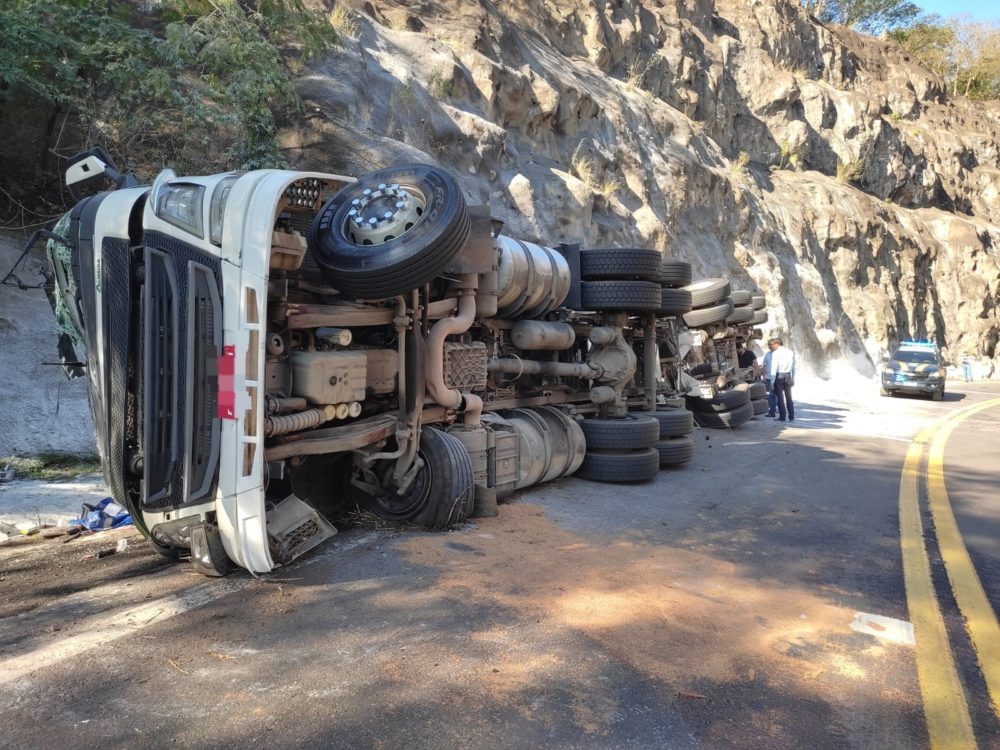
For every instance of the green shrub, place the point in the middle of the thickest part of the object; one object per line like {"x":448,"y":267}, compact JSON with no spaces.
{"x":170,"y":87}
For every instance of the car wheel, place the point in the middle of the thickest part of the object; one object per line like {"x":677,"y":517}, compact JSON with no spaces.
{"x":421,"y":222}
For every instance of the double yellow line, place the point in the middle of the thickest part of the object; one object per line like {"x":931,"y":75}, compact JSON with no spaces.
{"x":945,"y":706}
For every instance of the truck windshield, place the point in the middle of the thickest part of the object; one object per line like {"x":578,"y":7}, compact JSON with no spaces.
{"x":916,"y":358}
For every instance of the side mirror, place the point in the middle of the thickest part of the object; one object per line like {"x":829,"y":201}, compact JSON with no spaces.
{"x":89,"y":167}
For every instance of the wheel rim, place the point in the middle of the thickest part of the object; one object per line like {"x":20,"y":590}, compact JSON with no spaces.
{"x":383,"y":213}
{"x":411,"y":502}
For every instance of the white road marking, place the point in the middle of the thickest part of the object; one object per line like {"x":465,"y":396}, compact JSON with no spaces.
{"x":886,"y":628}
{"x":100,"y":630}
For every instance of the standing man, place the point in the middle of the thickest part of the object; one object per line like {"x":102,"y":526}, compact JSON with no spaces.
{"x":766,"y":372}
{"x":781,"y":372}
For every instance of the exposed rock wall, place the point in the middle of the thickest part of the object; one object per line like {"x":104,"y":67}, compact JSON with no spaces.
{"x":867,"y":208}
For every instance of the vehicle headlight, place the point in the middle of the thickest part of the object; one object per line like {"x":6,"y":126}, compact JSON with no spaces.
{"x":181,"y":205}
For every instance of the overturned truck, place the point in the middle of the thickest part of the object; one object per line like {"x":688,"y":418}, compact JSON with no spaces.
{"x":268,"y":349}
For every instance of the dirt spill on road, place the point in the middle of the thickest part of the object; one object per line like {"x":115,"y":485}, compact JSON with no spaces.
{"x":692,"y":623}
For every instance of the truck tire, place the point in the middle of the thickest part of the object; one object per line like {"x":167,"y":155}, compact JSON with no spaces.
{"x":703,"y":370}
{"x":628,"y":466}
{"x":674,"y":302}
{"x":760,"y":406}
{"x":398,"y":264}
{"x":740,"y":297}
{"x":673,"y":422}
{"x":725,"y":419}
{"x":722,"y":401}
{"x":708,"y":315}
{"x":759,"y":317}
{"x":757,"y":390}
{"x":625,"y":296}
{"x":602,"y":264}
{"x":740,"y":315}
{"x":706,"y":292}
{"x":758,"y":302}
{"x":676,"y":450}
{"x":675,"y":273}
{"x":443,"y":492}
{"x":629,"y":433}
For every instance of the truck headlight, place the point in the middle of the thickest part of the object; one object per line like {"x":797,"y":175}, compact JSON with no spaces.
{"x":182,"y":205}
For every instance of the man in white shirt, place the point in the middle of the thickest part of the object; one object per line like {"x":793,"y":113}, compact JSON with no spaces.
{"x":765,"y":369}
{"x":781,"y":373}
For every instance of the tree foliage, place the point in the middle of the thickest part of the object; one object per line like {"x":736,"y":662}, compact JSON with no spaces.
{"x":163,"y":88}
{"x":869,"y":16}
{"x":965,"y":53}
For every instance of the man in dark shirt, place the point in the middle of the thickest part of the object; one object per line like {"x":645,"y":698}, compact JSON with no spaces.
{"x":746,"y":357}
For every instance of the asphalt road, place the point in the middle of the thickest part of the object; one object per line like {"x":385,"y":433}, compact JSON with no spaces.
{"x":712,"y":608}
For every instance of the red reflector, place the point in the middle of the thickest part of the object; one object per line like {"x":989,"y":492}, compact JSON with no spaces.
{"x":227,"y":394}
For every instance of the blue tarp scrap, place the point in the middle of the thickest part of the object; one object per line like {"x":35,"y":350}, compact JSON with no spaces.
{"x":107,"y":514}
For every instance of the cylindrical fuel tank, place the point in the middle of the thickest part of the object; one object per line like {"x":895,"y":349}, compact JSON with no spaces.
{"x":542,"y":335}
{"x":550,"y":444}
{"x":568,"y":446}
{"x":532,"y":279}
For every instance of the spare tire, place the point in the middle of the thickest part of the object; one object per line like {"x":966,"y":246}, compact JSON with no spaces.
{"x":759,"y":316}
{"x":760,"y":406}
{"x":362,"y":261}
{"x":758,"y":302}
{"x":758,"y":390}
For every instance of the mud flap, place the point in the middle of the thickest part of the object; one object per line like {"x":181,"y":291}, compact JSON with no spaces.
{"x":208,"y":556}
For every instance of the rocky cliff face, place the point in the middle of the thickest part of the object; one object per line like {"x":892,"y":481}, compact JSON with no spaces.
{"x":824,"y":168}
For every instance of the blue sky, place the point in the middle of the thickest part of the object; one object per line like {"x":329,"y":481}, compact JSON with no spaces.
{"x":981,"y":10}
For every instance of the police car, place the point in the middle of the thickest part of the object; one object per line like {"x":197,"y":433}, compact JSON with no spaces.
{"x":915,"y":367}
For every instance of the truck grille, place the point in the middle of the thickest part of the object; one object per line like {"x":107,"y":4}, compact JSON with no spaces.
{"x":182,"y":337}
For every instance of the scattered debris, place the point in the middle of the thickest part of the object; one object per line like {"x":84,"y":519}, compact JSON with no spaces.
{"x":107,"y":514}
{"x":691,"y":696}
